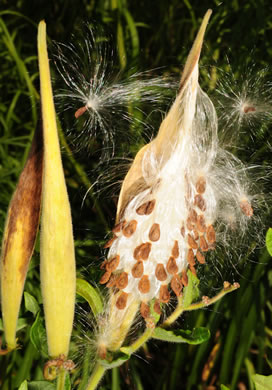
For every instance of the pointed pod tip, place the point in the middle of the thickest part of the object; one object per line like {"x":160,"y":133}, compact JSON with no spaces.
{"x":192,"y":60}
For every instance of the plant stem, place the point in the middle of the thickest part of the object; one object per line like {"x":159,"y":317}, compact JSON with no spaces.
{"x":198,"y":305}
{"x":96,"y":376}
{"x":61,"y":379}
{"x":139,"y":342}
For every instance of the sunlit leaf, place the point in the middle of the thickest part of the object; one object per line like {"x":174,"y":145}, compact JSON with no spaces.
{"x":196,"y":336}
{"x":30,"y":303}
{"x":262,"y":382}
{"x":90,"y":294}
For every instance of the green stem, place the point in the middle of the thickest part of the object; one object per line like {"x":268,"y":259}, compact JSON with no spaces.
{"x":96,"y":376}
{"x":139,"y":342}
{"x":198,"y":305}
{"x":61,"y":379}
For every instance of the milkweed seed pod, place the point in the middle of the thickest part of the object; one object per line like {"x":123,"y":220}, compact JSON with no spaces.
{"x":58,"y":276}
{"x":171,"y":201}
{"x":19,"y":237}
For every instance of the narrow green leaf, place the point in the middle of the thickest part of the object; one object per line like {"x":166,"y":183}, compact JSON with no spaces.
{"x":262,"y":382}
{"x":31,"y":304}
{"x":23,"y":385}
{"x":133,"y":33}
{"x":196,"y":336}
{"x":41,"y":385}
{"x":118,"y":360}
{"x":38,"y":336}
{"x":121,"y":45}
{"x":268,"y":241}
{"x":90,"y":294}
{"x":223,"y":387}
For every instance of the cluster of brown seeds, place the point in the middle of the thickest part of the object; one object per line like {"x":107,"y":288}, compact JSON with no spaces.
{"x":198,"y":236}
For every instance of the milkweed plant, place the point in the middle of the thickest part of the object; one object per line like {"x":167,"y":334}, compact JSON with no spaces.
{"x":184,"y":201}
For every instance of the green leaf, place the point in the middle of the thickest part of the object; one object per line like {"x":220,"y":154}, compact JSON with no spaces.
{"x":191,"y":291}
{"x":23,"y":385}
{"x":196,"y":336}
{"x":223,"y":387}
{"x":268,"y":240}
{"x":31,"y":304}
{"x":118,"y":359}
{"x":41,"y":385}
{"x":90,"y":294}
{"x":38,"y":336}
{"x":262,"y":382}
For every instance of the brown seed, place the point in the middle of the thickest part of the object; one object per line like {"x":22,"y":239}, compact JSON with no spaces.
{"x":210,"y":234}
{"x":157,"y":307}
{"x":246,"y":208}
{"x":191,"y":257}
{"x":164,"y":294}
{"x":144,"y":285}
{"x":113,"y":263}
{"x":105,"y":277}
{"x":200,"y":225}
{"x":200,"y":202}
{"x":196,"y":235}
{"x":146,"y":208}
{"x":130,"y":228}
{"x":201,"y":185}
{"x":103,"y":265}
{"x":176,"y":285}
{"x":182,"y":231}
{"x":117,"y":228}
{"x":171,"y":266}
{"x":160,"y":273}
{"x":192,"y":269}
{"x":191,"y":242}
{"x":80,"y":111}
{"x":175,"y":250}
{"x":110,"y":242}
{"x":112,"y":281}
{"x":154,"y":232}
{"x":141,"y":252}
{"x":122,"y":281}
{"x":137,"y":270}
{"x":193,"y":215}
{"x":184,"y":278}
{"x":203,"y":244}
{"x":189,"y":224}
{"x":248,"y":109}
{"x":122,"y":301}
{"x":200,"y":257}
{"x":144,"y":310}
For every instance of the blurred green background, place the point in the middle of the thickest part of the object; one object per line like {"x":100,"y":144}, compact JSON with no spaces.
{"x":145,"y":35}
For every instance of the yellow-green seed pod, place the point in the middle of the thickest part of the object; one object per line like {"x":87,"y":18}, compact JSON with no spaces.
{"x":58,"y":277}
{"x":19,"y":237}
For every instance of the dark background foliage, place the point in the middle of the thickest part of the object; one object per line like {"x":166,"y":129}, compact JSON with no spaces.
{"x":146,"y":35}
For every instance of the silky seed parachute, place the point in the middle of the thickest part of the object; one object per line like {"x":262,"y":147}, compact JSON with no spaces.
{"x":174,"y":208}
{"x":99,"y":101}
